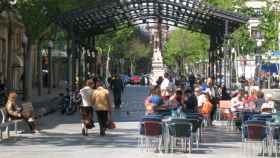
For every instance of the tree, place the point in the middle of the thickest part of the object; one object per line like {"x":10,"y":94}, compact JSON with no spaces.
{"x":185,"y":46}
{"x":242,"y":41}
{"x":269,"y":28}
{"x":224,"y":4}
{"x":36,"y":21}
{"x":123,"y":44}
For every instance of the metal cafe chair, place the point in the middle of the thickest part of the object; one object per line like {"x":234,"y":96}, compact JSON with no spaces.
{"x":180,"y":132}
{"x":254,"y":133}
{"x":150,"y":133}
{"x":196,"y":130}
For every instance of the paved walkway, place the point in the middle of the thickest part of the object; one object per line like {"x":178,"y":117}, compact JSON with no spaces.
{"x":61,"y":138}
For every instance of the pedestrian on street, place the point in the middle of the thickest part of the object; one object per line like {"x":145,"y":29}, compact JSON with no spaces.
{"x":165,"y":87}
{"x":86,"y":108}
{"x":192,"y":81}
{"x":103,"y":106}
{"x":16,"y":112}
{"x":117,"y":87}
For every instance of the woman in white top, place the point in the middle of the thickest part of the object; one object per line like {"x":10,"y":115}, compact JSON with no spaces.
{"x":201,"y":99}
{"x":86,"y":107}
{"x":268,"y":106}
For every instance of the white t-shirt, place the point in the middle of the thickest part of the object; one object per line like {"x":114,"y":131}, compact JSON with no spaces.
{"x":268,"y":105}
{"x":236,"y":104}
{"x":165,"y":84}
{"x":200,"y":100}
{"x":86,"y":94}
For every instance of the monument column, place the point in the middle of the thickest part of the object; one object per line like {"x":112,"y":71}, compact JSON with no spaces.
{"x":157,"y":61}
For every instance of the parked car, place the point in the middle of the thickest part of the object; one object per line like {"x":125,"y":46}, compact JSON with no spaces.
{"x":125,"y":79}
{"x":135,"y":79}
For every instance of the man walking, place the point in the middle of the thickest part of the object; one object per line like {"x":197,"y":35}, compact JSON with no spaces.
{"x":117,"y":88}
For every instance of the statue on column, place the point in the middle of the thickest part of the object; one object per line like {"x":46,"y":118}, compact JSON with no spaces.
{"x":157,"y":61}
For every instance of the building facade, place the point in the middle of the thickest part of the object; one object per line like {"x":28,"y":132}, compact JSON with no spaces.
{"x":15,"y":67}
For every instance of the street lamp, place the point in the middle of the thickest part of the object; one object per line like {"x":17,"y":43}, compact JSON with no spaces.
{"x":50,"y":46}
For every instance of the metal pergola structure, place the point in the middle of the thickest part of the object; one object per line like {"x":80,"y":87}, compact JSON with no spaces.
{"x":195,"y":15}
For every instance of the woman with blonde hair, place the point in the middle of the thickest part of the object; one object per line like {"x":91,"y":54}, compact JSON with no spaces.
{"x":16,"y":112}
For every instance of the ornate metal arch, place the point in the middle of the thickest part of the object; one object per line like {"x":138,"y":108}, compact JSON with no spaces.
{"x":195,"y":15}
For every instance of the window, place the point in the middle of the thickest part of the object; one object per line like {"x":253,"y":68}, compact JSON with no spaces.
{"x":254,"y":32}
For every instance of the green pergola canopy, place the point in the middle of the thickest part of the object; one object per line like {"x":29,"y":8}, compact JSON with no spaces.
{"x":195,"y":15}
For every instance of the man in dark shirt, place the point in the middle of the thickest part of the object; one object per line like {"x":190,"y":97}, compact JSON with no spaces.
{"x":192,"y":81}
{"x":190,"y":102}
{"x":117,"y":88}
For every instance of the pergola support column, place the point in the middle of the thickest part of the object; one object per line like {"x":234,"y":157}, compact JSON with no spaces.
{"x":227,"y":78}
{"x":69,"y":63}
{"x":74,"y":61}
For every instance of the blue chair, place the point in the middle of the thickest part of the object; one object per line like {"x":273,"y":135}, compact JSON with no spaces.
{"x":262,"y":117}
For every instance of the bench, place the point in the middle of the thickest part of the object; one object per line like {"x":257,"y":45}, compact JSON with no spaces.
{"x":6,"y":122}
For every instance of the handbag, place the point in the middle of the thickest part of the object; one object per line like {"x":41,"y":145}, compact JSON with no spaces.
{"x":111,"y":125}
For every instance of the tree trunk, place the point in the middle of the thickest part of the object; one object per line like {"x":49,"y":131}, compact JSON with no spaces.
{"x":28,"y":73}
{"x":86,"y":64}
{"x":80,"y":68}
{"x":39,"y":69}
{"x":10,"y":54}
{"x":131,"y":67}
{"x":69,"y":64}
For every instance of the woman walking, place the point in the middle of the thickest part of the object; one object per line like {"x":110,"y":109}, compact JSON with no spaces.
{"x":103,"y":106}
{"x":86,"y":108}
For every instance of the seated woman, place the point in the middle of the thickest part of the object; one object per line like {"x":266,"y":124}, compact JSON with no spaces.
{"x":176,"y":100}
{"x":207,"y":108}
{"x":268,"y":107}
{"x":248,"y":102}
{"x":15,"y":112}
{"x":154,"y":102}
{"x":190,"y":103}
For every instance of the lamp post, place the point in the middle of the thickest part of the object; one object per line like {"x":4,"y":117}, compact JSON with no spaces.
{"x":50,"y":83}
{"x":258,"y":57}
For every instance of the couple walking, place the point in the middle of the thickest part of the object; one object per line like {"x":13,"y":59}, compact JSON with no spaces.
{"x":95,"y":96}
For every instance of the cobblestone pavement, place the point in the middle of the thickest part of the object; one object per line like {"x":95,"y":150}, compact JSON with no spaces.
{"x":61,"y":137}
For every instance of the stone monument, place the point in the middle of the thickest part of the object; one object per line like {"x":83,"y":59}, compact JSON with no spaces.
{"x":157,"y":66}
{"x":157,"y":60}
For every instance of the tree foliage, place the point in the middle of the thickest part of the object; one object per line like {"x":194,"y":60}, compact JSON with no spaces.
{"x":269,"y":28}
{"x":224,"y":4}
{"x":187,"y":46}
{"x":243,"y":42}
